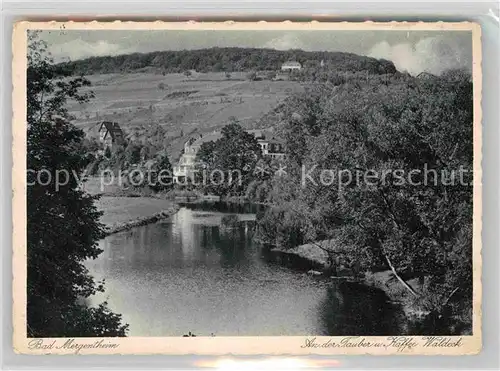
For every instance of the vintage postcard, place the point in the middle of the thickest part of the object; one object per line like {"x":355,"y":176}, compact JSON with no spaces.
{"x":247,"y":188}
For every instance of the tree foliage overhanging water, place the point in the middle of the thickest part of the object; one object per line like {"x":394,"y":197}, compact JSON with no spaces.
{"x":389,"y":128}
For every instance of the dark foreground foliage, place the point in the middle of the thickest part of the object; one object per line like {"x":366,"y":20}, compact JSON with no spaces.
{"x":62,"y":222}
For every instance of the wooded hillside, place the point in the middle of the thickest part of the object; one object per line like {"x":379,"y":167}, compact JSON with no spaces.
{"x":227,"y":59}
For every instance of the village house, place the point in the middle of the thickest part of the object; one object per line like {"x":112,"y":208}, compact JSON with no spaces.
{"x":110,"y":134}
{"x":187,"y":162}
{"x":270,"y":146}
{"x":291,"y":66}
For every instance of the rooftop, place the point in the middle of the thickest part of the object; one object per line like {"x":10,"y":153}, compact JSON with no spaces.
{"x":292,"y":64}
{"x":113,"y":128}
{"x":260,"y":134}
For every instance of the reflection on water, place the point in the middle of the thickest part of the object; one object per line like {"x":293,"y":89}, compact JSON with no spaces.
{"x":359,"y":310}
{"x":201,"y":273}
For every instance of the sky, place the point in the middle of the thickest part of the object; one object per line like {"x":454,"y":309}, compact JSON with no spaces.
{"x":411,"y":51}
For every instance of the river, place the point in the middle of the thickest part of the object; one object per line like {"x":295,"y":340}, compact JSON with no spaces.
{"x":201,"y":271}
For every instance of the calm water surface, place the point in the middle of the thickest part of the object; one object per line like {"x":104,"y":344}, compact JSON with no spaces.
{"x":202,"y":272}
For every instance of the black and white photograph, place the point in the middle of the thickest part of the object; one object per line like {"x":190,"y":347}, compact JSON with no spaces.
{"x":319,"y":184}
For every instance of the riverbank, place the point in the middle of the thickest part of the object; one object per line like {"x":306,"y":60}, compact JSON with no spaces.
{"x":383,"y":280}
{"x":318,"y":257}
{"x":123,"y":213}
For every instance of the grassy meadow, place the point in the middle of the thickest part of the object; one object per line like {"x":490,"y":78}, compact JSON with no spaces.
{"x":122,"y":211}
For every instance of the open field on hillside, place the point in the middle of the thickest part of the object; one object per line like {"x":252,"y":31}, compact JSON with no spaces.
{"x":179,"y":104}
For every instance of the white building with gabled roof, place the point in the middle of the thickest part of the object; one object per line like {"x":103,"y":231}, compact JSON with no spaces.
{"x":291,"y":66}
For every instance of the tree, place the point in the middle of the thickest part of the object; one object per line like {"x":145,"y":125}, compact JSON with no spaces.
{"x":62,"y":221}
{"x":162,"y":177}
{"x":144,"y":153}
{"x":133,"y":153}
{"x":91,"y":144}
{"x":161,"y":86}
{"x":217,"y":67}
{"x":206,"y":153}
{"x":271,"y":75}
{"x":187,"y":73}
{"x":117,"y":160}
{"x":230,"y":161}
{"x":252,"y":76}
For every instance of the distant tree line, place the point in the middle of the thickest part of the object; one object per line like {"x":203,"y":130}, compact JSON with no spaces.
{"x":228,"y":60}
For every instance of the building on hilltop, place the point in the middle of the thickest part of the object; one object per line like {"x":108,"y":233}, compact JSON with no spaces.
{"x":291,"y":66}
{"x":270,"y":146}
{"x":110,"y":134}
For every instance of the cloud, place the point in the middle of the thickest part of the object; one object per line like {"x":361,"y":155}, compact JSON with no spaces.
{"x":285,"y":42}
{"x":433,"y":54}
{"x":78,"y":49}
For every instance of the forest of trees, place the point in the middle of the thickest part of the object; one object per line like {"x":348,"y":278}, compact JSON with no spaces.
{"x":384,"y":126}
{"x":226,"y":59}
